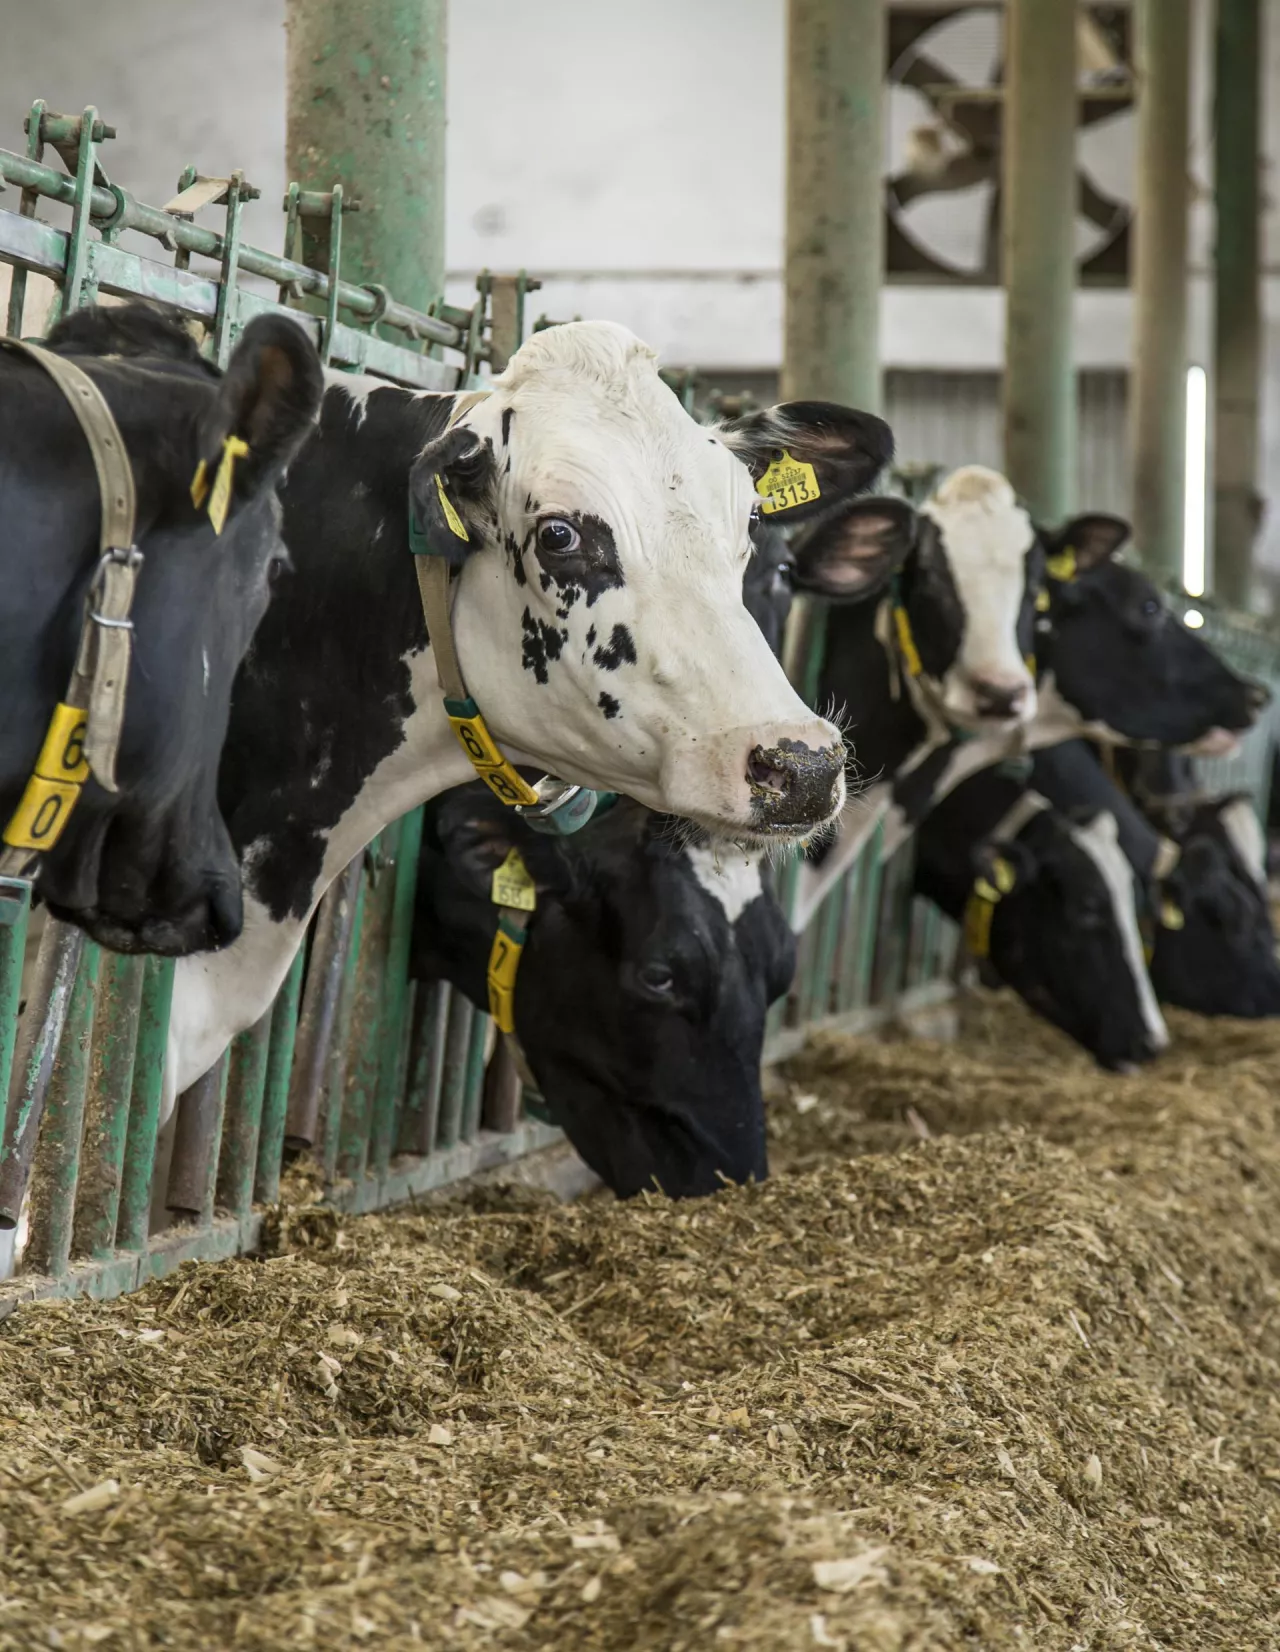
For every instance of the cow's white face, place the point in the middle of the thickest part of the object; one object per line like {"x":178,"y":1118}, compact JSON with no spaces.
{"x":599,"y":615}
{"x":983,"y":537}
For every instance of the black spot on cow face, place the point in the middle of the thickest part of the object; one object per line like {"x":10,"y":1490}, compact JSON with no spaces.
{"x":516,"y":553}
{"x":1121,"y":659}
{"x":541,"y":643}
{"x":609,"y":705}
{"x":508,"y":413}
{"x":640,"y":1003}
{"x":578,"y":554}
{"x":619,"y":650}
{"x":591,"y":636}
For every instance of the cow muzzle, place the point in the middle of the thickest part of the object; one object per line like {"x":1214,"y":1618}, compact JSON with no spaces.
{"x":759,"y":787}
{"x":794,"y":786}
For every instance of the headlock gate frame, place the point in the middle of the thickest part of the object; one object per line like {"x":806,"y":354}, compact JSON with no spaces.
{"x":394,"y":1087}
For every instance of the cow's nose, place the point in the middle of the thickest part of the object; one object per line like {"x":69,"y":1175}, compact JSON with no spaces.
{"x":794,"y":784}
{"x":992,"y":698}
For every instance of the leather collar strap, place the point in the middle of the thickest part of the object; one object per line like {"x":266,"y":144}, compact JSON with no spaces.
{"x":84,"y":732}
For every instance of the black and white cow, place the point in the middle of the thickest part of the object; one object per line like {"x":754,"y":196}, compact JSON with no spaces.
{"x":1199,"y":862}
{"x":148,"y":867}
{"x":1065,"y":935}
{"x":598,"y":617}
{"x":643,"y":987}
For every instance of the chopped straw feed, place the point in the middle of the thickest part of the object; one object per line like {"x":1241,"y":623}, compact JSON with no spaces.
{"x":990,"y":1363}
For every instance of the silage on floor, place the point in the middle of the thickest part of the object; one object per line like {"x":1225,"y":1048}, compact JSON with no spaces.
{"x":991,"y":1362}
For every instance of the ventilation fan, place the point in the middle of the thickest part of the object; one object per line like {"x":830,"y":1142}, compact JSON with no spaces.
{"x":944,"y":120}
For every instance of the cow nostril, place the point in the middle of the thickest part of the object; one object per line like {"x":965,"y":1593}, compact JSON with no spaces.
{"x":762,"y":773}
{"x":997,"y":700}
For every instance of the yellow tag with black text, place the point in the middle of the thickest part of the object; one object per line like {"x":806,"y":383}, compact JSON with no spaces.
{"x":43,"y":810}
{"x":512,"y":885}
{"x":489,"y":763}
{"x":787,"y":483}
{"x":233,"y":448}
{"x":504,"y":964}
{"x":456,"y":524}
{"x":62,"y":754}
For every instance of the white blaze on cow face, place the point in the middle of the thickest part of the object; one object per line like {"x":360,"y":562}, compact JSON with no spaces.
{"x":1100,"y":840}
{"x":985,"y":536}
{"x":730,"y":876}
{"x":600,"y":625}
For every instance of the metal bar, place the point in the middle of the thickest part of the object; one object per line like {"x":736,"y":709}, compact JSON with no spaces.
{"x":457,"y":1045}
{"x":360,"y":1088}
{"x":320,"y":996}
{"x":473,"y":1083}
{"x":835,"y":214}
{"x":26,"y":209}
{"x":394,"y":1021}
{"x":106,"y":1111}
{"x":828,"y":940}
{"x":15,"y":912}
{"x":501,"y":1090}
{"x":426,"y":1068}
{"x":1162,"y":49}
{"x":365,"y":103}
{"x":78,"y":285}
{"x":56,"y":1168}
{"x":55,"y":186}
{"x":246,"y":1084}
{"x":39,"y":1032}
{"x":1238,"y":333}
{"x":275,"y":1101}
{"x":193,"y":1172}
{"x":1039,"y":255}
{"x":144,"y":1106}
{"x":849,"y":965}
{"x":332,"y":1095}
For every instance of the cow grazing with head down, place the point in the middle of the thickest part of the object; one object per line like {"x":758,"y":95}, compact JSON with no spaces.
{"x":1047,"y":900}
{"x":1199,"y":865}
{"x":597,"y":613}
{"x":149,"y":866}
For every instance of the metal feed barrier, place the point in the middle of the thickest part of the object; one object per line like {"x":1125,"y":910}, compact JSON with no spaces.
{"x":392,"y":1087}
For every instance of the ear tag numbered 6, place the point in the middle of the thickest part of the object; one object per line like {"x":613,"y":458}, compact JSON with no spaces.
{"x":51,"y":792}
{"x":513,"y":886}
{"x":787,"y":483}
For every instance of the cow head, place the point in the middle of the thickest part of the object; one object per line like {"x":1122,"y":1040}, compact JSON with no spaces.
{"x":1214,"y":944}
{"x":1066,"y":936}
{"x":1124,"y":668}
{"x":149,"y":867}
{"x":965,"y":570}
{"x":641,"y":995}
{"x":599,"y":614}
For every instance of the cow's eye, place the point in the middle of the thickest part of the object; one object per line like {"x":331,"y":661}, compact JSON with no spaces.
{"x":1151,"y":607}
{"x":557,"y":536}
{"x":782,"y":576}
{"x":656,"y":977}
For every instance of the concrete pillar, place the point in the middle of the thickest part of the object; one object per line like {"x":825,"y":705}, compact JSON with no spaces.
{"x":835,"y":214}
{"x":1237,"y":304}
{"x":1162,"y":38}
{"x":1039,"y":196}
{"x":366,"y":108}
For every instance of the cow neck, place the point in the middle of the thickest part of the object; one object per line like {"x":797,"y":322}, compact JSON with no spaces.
{"x":550,"y":805}
{"x":83,"y":736}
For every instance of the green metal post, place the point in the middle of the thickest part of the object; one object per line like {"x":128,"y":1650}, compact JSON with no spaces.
{"x":275,"y":1101}
{"x":329,"y":1127}
{"x":395,"y":996}
{"x":366,"y":1013}
{"x":197,"y":1140}
{"x":835,"y":215}
{"x":106,"y":1120}
{"x":57,"y":1163}
{"x":144,"y":1107}
{"x":1039,"y":154}
{"x":1162,"y":37}
{"x":457,"y":1044}
{"x":15,"y":909}
{"x":366,"y":108}
{"x":426,"y":1068}
{"x":473,"y":1086}
{"x":1237,"y":298}
{"x":246,"y":1086}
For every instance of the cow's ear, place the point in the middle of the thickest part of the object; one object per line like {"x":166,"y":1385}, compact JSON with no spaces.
{"x":1088,"y":540}
{"x":451,"y":490}
{"x":806,"y":456}
{"x":268,"y":399}
{"x":850,"y":555}
{"x":478,"y":834}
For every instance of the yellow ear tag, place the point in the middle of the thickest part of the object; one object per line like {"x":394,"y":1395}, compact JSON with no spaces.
{"x":233,"y":448}
{"x":1004,"y":875}
{"x":1171,"y":915}
{"x":1063,"y":566}
{"x":906,"y":642}
{"x":1042,"y":602}
{"x":978,"y":914}
{"x":512,"y":885}
{"x":456,"y":524}
{"x":787,"y":483}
